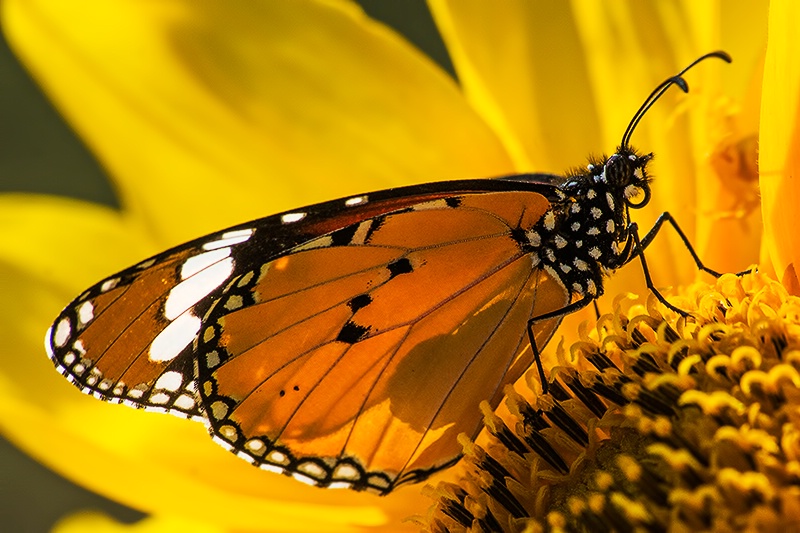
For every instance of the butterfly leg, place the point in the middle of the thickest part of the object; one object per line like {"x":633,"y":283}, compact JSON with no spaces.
{"x":640,"y":244}
{"x":557,"y":314}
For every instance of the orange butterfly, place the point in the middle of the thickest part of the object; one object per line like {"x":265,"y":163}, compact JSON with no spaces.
{"x":348,"y":343}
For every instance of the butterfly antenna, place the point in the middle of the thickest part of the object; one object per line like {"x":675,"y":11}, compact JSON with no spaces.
{"x":662,"y":88}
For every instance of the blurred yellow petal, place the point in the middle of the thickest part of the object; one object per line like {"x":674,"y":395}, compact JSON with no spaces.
{"x":100,"y":523}
{"x":209,"y":113}
{"x":779,"y":142}
{"x":522,"y":66}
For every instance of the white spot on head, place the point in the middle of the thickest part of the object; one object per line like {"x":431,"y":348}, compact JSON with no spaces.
{"x":589,"y":167}
{"x":591,"y":194}
{"x":550,"y":221}
{"x":229,"y":239}
{"x":196,"y":263}
{"x":63,"y":331}
{"x":610,"y":226}
{"x":174,"y":338}
{"x":356,"y":200}
{"x":600,"y":178}
{"x":85,"y":312}
{"x":190,"y":291}
{"x":596,"y":213}
{"x":169,"y":381}
{"x":245,"y":280}
{"x":288,"y":218}
{"x":632,"y":157}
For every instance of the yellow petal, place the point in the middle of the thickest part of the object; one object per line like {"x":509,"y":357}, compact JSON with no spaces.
{"x":99,"y":523}
{"x":522,"y":66}
{"x":210,"y":113}
{"x":153,"y":462}
{"x":779,"y":142}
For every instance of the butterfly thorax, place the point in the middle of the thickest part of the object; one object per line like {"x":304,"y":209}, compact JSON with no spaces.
{"x":585,"y":234}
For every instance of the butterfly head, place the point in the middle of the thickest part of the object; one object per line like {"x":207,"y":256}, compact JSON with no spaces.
{"x":625,"y":173}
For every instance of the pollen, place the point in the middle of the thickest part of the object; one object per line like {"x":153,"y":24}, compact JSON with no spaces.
{"x":653,"y":422}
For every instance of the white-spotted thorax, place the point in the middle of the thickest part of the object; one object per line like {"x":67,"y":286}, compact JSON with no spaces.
{"x":585,"y":234}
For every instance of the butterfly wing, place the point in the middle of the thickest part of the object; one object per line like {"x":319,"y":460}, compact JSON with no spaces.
{"x":376,"y":342}
{"x":348,"y":343}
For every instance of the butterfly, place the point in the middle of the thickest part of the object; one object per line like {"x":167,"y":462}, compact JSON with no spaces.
{"x":349,"y":343}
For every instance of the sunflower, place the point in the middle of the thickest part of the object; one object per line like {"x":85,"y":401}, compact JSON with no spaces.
{"x":206,"y":114}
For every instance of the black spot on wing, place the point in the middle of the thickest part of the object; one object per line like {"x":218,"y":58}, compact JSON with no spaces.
{"x":520,"y":237}
{"x":453,"y":201}
{"x":401,"y":266}
{"x":351,"y":333}
{"x":359,"y":302}
{"x":344,"y":236}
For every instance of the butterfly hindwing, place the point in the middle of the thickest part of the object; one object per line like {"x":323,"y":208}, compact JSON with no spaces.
{"x":376,"y":342}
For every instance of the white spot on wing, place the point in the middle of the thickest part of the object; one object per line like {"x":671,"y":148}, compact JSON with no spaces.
{"x":190,"y":291}
{"x":229,"y":239}
{"x":196,"y":263}
{"x":85,"y":312}
{"x":288,"y":218}
{"x":356,"y":200}
{"x":63,"y":331}
{"x":174,"y":338}
{"x":109,"y":284}
{"x":170,"y":381}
